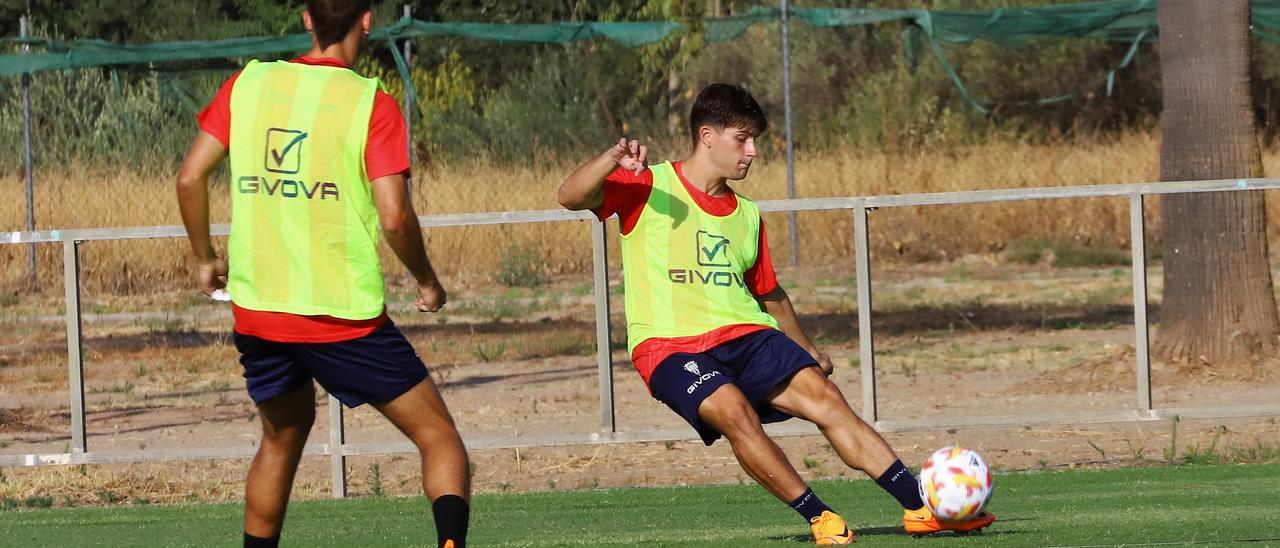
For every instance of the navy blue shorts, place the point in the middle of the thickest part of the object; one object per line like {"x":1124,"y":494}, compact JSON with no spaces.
{"x":376,"y":368}
{"x":755,"y":363}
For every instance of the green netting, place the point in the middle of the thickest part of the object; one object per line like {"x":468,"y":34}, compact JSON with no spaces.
{"x":1131,"y":21}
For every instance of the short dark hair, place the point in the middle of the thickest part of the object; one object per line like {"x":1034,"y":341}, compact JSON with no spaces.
{"x":331,"y":20}
{"x":726,"y":105}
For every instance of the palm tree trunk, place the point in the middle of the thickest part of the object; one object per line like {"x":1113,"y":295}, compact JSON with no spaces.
{"x":1217,"y":305}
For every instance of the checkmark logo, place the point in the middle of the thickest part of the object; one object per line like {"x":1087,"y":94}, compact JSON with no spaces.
{"x":712,"y":249}
{"x":284,"y":150}
{"x":715,"y":249}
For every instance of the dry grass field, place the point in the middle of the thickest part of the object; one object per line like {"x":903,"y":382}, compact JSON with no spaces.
{"x":80,"y":196}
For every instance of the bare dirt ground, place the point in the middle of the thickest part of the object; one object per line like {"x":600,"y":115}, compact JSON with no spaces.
{"x":973,"y":337}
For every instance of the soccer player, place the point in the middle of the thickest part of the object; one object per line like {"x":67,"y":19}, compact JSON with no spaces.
{"x":318,"y":161}
{"x":709,"y":329}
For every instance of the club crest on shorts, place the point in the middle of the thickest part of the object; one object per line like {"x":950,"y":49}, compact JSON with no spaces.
{"x":692,"y":367}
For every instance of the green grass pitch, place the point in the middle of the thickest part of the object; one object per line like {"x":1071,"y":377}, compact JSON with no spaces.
{"x":1224,"y":505}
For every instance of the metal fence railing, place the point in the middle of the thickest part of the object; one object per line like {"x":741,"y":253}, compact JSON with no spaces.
{"x":338,"y":449}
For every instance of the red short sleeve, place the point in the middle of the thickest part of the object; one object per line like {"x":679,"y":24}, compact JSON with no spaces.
{"x":625,"y":193}
{"x":387,"y":150}
{"x":215,"y":119}
{"x":760,"y":278}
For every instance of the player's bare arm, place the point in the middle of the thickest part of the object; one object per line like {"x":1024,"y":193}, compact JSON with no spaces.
{"x":202,"y":159}
{"x":584,"y":188}
{"x":777,"y":304}
{"x":403,"y":233}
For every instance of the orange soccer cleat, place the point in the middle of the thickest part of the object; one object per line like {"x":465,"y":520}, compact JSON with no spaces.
{"x":828,"y":528}
{"x":922,"y":522}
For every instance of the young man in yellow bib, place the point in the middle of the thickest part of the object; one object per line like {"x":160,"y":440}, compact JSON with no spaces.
{"x":318,"y":159}
{"x":709,"y":328}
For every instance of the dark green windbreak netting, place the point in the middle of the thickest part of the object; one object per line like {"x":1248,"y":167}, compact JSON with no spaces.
{"x":1131,"y":21}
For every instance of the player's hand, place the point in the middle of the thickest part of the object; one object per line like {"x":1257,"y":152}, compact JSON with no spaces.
{"x":211,"y":275}
{"x":431,"y":297}
{"x":629,"y":155}
{"x":824,"y":361}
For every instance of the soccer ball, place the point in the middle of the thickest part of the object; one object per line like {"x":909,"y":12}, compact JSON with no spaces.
{"x":955,"y":484}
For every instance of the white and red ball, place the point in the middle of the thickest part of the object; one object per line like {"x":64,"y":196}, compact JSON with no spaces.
{"x":955,"y":484}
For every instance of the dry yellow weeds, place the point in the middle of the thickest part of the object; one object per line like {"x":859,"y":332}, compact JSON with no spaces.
{"x":78,"y":196}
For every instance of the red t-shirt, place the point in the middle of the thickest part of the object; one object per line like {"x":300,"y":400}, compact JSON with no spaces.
{"x":625,"y":194}
{"x":386,"y":153}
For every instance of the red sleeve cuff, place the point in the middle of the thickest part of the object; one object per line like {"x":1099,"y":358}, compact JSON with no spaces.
{"x":765,"y":288}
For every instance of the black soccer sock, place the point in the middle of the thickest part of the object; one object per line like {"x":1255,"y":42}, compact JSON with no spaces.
{"x":452,"y":514}
{"x":902,"y":484}
{"x":809,"y":506}
{"x":251,"y":541}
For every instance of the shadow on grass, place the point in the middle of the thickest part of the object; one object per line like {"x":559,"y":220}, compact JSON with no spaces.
{"x":861,"y":532}
{"x":552,"y":375}
{"x":900,"y":532}
{"x":831,"y":325}
{"x":844,"y":326}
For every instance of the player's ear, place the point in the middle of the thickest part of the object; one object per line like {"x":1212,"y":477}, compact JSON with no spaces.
{"x":366,"y":22}
{"x":705,"y":135}
{"x":306,"y":22}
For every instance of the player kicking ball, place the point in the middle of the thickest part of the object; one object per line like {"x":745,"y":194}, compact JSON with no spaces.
{"x":710,"y":330}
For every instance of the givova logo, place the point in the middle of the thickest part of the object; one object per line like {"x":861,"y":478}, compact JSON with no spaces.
{"x":283,"y":156}
{"x":284,"y":150}
{"x":713,"y":249}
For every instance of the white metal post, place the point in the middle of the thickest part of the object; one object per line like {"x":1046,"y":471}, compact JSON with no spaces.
{"x":604,"y":355}
{"x":1141,"y":343}
{"x":75,"y":345}
{"x":337,"y":457}
{"x":866,"y":346}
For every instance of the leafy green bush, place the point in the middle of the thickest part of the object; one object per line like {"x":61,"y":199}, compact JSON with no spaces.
{"x":96,"y":116}
{"x":521,"y":267}
{"x":1067,"y":254}
{"x":550,"y":110}
{"x":38,"y":501}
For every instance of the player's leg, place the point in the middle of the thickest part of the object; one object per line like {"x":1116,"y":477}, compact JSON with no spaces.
{"x":286,"y":422}
{"x":811,"y":396}
{"x":808,"y":394}
{"x":727,"y":411}
{"x":421,"y":414}
{"x":285,"y":398}
{"x":446,"y":476}
{"x":700,"y":389}
{"x":383,"y":369}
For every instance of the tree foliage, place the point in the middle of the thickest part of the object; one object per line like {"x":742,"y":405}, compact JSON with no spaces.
{"x":851,"y":86}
